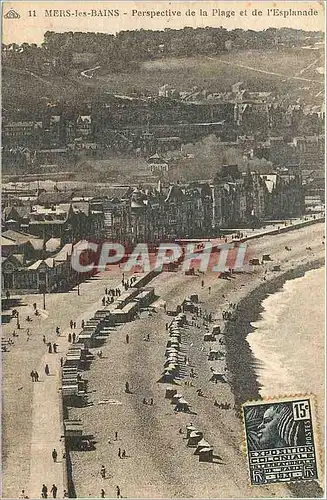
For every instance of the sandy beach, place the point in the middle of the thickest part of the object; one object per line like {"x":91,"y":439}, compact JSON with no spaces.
{"x":158,"y":464}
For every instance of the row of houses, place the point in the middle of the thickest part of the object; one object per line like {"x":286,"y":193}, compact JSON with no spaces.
{"x":200,"y":209}
{"x":38,"y":238}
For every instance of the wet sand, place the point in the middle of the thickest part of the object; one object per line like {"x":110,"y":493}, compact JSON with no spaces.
{"x":158,"y":463}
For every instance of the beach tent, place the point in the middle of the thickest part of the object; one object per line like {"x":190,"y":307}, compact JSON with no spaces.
{"x":209,"y":337}
{"x":170,"y":393}
{"x":182,"y":405}
{"x":194,"y":438}
{"x":190,"y":428}
{"x":206,"y":454}
{"x":176,"y":397}
{"x":201,"y":444}
{"x":167,"y":378}
{"x":188,"y":306}
{"x":218,"y":377}
{"x":216,"y":330}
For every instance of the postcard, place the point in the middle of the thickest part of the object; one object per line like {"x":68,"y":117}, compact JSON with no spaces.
{"x":163,"y":249}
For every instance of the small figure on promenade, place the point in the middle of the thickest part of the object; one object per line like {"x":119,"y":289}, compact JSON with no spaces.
{"x":166,"y":326}
{"x":127,"y":387}
{"x":57,"y":330}
{"x":44,"y":340}
{"x":74,"y":324}
{"x":103,"y":471}
{"x":34,"y":306}
{"x":123,"y":455}
{"x":54,"y":490}
{"x":104,"y":301}
{"x":74,"y":337}
{"x":71,"y":324}
{"x":36,"y":376}
{"x":118,"y":492}
{"x":209,"y":288}
{"x":33,"y":376}
{"x":102,"y":493}
{"x":54,"y":455}
{"x":127,"y":338}
{"x":119,"y":452}
{"x":49,"y":348}
{"x":83,"y":323}
{"x":151,"y":401}
{"x":106,"y":291}
{"x":36,"y":312}
{"x":202,"y":283}
{"x":116,"y":436}
{"x":69,"y":337}
{"x":148,"y":337}
{"x":46,"y":369}
{"x":55,"y":348}
{"x":44,"y":491}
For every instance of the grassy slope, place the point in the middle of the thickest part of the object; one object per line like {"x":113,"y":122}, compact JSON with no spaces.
{"x":213,"y":73}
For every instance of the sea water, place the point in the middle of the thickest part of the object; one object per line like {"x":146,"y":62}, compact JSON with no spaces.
{"x":288,"y":340}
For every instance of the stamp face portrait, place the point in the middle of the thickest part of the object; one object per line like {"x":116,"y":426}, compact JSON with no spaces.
{"x":280,"y":441}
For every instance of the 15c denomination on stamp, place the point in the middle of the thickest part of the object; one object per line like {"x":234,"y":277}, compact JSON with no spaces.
{"x":280,"y":441}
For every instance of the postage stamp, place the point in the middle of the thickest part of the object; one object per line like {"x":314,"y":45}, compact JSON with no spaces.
{"x":280,"y":441}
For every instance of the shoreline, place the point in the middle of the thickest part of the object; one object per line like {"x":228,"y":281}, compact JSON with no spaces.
{"x":241,"y":361}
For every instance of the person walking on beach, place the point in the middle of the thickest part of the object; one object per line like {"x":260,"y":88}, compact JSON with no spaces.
{"x":127,"y":338}
{"x":44,"y":340}
{"x":102,"y":494}
{"x":69,"y":337}
{"x":116,"y":436}
{"x":54,"y":490}
{"x":49,"y":348}
{"x":119,"y":452}
{"x":74,"y":337}
{"x":54,"y":455}
{"x":57,"y":330}
{"x":103,"y":472}
{"x":55,"y":348}
{"x":209,"y":288}
{"x":44,"y":491}
{"x":36,"y":376}
{"x":202,"y":283}
{"x":71,"y":324}
{"x":123,"y":455}
{"x":33,"y":376}
{"x":118,"y":492}
{"x":46,"y":369}
{"x":83,"y":323}
{"x":74,"y":324}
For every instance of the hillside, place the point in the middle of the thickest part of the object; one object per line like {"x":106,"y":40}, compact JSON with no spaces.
{"x":289,"y":70}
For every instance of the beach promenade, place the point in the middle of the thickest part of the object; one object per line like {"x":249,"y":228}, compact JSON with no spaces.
{"x":35,"y":407}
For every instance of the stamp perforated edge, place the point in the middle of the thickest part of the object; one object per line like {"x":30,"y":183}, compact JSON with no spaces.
{"x":316,"y":426}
